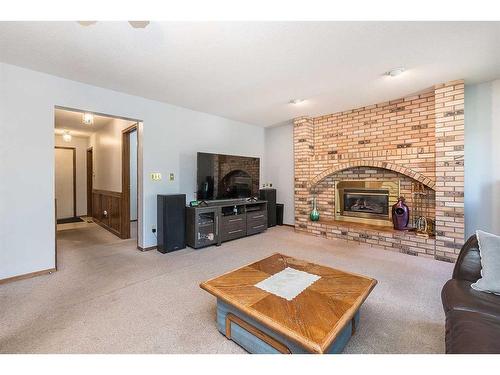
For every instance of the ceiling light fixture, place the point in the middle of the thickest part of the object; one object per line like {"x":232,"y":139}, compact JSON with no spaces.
{"x":296,"y":101}
{"x":134,"y":24}
{"x":88,"y":119}
{"x":66,"y":136}
{"x":87,"y":23}
{"x":395,"y":72}
{"x":138,"y":24}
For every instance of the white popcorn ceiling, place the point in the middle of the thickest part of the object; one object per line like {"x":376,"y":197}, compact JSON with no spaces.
{"x":249,"y":71}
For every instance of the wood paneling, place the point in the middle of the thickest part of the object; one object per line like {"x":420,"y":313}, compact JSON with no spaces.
{"x":116,"y":204}
{"x":107,"y":211}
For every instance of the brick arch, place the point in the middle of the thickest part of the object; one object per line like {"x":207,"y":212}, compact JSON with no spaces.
{"x":375,"y":164}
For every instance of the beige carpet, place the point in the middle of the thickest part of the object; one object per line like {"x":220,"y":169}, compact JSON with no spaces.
{"x":109,"y":297}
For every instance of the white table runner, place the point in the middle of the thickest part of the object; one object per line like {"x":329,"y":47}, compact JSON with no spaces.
{"x":288,"y":283}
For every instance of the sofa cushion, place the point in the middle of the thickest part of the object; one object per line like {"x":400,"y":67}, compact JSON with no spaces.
{"x":489,"y":250}
{"x":472,"y":333}
{"x":468,"y":265}
{"x":458,"y":295}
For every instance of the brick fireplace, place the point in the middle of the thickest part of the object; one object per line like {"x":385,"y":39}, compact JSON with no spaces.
{"x":357,"y":162}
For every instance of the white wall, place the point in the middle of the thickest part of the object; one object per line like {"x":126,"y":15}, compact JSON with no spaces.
{"x":279,"y":167}
{"x":482,"y":157}
{"x":81,"y":144}
{"x":107,"y":153}
{"x":170,"y":138}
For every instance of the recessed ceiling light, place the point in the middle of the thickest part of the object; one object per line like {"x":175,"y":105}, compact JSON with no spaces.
{"x":395,"y":72}
{"x":296,"y":101}
{"x":88,"y":119}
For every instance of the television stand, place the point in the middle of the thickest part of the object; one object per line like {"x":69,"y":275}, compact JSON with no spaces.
{"x":224,"y":220}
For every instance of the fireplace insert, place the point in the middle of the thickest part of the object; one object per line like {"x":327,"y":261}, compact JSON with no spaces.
{"x":365,"y":203}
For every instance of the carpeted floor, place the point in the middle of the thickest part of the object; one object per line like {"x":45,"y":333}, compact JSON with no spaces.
{"x":109,"y":297}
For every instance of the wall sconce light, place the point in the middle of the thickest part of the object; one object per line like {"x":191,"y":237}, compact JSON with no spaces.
{"x":66,"y":136}
{"x":88,"y":119}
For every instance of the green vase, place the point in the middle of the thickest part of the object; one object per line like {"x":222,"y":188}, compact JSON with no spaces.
{"x":314,"y":215}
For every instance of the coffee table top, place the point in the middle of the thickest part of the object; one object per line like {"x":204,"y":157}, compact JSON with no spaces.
{"x":313,"y":318}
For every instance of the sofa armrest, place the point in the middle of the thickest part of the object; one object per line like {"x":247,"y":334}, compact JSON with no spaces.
{"x":468,"y":265}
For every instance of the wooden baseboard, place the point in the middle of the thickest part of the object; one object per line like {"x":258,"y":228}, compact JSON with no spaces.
{"x":146,"y":248}
{"x":27,"y":276}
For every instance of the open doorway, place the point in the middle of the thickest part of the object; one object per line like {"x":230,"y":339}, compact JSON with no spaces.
{"x":65,"y":184}
{"x":96,"y":177}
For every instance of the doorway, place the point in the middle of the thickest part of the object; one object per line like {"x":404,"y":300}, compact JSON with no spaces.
{"x":108,"y":170}
{"x":65,"y":183}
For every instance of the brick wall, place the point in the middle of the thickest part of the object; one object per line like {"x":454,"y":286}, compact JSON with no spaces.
{"x":418,"y":138}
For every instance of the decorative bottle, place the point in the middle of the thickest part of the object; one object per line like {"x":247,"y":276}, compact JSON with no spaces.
{"x":314,"y":216}
{"x":400,"y":214}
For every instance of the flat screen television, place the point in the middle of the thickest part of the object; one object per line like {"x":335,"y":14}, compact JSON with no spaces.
{"x":227,"y":176}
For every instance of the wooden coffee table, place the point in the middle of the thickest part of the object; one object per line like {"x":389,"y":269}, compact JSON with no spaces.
{"x":303,"y":308}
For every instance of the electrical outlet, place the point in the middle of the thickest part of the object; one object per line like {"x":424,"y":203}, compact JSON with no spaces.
{"x":153,"y":228}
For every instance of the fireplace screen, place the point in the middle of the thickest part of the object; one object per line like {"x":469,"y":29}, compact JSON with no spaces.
{"x":366,"y":203}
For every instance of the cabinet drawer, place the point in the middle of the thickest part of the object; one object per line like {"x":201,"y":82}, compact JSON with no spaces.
{"x":233,"y":220}
{"x":227,"y":235}
{"x":256,"y":215}
{"x":253,"y":228}
{"x":255,"y":219}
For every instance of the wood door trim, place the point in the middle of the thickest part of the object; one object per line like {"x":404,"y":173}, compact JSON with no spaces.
{"x":74,"y":175}
{"x":125,"y":223}
{"x":90,"y":184}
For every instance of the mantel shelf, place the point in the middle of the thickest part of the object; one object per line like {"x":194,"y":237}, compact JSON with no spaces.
{"x":363,"y":226}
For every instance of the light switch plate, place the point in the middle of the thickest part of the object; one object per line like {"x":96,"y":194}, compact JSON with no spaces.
{"x":156,"y":176}
{"x":171,"y":177}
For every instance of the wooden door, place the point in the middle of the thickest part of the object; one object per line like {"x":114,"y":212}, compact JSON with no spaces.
{"x":90,"y":180}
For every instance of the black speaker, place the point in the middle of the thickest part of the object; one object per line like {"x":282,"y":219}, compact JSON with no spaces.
{"x":280,"y":207}
{"x":171,"y":222}
{"x":269,"y":195}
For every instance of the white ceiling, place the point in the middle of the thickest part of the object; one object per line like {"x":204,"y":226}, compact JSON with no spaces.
{"x":72,"y":122}
{"x":248,"y":71}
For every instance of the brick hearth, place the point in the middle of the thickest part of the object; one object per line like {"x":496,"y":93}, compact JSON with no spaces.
{"x":418,"y":138}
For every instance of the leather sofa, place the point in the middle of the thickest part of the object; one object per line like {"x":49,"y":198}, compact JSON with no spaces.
{"x":472,"y":317}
